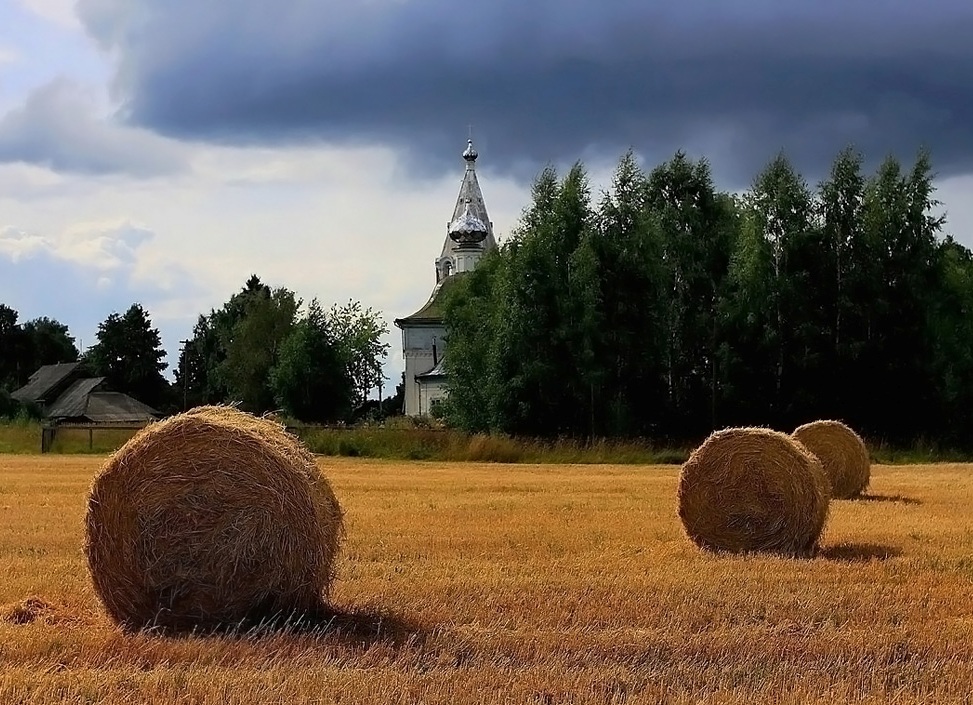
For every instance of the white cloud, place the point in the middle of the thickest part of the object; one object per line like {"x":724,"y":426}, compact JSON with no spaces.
{"x":60,"y":12}
{"x":96,"y":246}
{"x":17,"y":244}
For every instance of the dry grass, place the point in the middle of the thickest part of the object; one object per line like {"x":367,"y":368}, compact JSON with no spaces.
{"x":472,"y":583}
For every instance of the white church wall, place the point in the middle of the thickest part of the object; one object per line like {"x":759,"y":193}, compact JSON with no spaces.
{"x":417,"y":342}
{"x":429,"y":393}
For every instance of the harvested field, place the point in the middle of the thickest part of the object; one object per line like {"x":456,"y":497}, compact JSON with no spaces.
{"x":476,"y":583}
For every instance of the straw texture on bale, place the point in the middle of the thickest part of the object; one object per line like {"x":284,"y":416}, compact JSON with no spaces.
{"x":843,"y":454}
{"x":211,"y":518}
{"x":753,"y":489}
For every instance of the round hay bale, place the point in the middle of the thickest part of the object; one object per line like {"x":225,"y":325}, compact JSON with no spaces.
{"x":753,"y":489}
{"x":211,"y":518}
{"x":843,"y":454}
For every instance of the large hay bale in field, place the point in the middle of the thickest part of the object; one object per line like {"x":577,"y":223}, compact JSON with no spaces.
{"x":753,"y":489}
{"x":211,"y":518}
{"x":843,"y":454}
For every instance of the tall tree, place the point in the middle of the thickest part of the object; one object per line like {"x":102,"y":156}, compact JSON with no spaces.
{"x":540,"y":347}
{"x":50,"y":342}
{"x":358,"y":335}
{"x":200,"y":373}
{"x":252,"y":347}
{"x":311,"y":380}
{"x":901,"y":231}
{"x":197,"y":373}
{"x":629,"y":306}
{"x":951,"y":339}
{"x":696,"y":225}
{"x":768,"y":294}
{"x":11,"y":348}
{"x":470,"y":315}
{"x":839,"y":275}
{"x":129,"y":355}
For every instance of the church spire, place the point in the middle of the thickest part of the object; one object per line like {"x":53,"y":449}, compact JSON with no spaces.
{"x":469,"y":232}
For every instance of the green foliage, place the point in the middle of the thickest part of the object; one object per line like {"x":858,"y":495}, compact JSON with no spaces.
{"x":129,"y":355}
{"x":541,"y":353}
{"x":256,"y":350}
{"x":252,"y":346}
{"x":471,"y":319}
{"x":628,"y":328}
{"x":671,"y":309}
{"x":450,"y":445}
{"x":11,"y":343}
{"x":9,"y":407}
{"x":25,"y":347}
{"x":311,"y":380}
{"x":357,"y":333}
{"x":696,"y":232}
{"x":200,"y":373}
{"x":49,"y":342}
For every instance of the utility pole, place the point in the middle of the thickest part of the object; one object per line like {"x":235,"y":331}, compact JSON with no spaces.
{"x":185,"y":373}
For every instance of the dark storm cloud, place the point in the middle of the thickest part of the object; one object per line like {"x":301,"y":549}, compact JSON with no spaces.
{"x":57,"y":128}
{"x":551,"y":80}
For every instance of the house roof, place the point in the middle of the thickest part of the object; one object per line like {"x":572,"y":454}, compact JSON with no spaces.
{"x":44,"y":381}
{"x":115,"y":407}
{"x":432,"y":311}
{"x":74,"y":401}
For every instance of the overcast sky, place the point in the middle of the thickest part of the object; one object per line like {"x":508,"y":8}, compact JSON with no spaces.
{"x":161,"y":151}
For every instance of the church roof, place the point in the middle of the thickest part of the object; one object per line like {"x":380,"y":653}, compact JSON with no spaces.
{"x":468,"y":229}
{"x":437,"y":372}
{"x":432,"y":311}
{"x":469,"y":197}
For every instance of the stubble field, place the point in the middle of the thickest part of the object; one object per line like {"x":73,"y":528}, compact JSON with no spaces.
{"x":478,"y":583}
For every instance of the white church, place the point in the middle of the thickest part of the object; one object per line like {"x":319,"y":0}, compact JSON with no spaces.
{"x":469,"y":235}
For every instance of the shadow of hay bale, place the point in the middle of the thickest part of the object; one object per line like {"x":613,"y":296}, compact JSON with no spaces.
{"x":359,"y":627}
{"x":859,"y":552}
{"x":364,"y":627}
{"x":892,"y":498}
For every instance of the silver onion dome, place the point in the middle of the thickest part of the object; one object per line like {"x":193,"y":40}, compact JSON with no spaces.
{"x":467,"y":229}
{"x":469,"y":154}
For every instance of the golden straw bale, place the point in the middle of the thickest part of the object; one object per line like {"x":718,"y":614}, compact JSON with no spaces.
{"x":211,"y":518}
{"x":753,"y":489}
{"x":843,"y":454}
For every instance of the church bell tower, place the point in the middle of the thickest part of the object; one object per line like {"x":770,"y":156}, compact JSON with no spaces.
{"x":469,"y":235}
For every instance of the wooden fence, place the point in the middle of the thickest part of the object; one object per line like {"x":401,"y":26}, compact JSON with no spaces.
{"x":49,"y":431}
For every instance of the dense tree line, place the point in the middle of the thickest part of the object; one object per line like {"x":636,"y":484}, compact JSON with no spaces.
{"x":262,"y":350}
{"x":26,"y":346}
{"x":669,"y":308}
